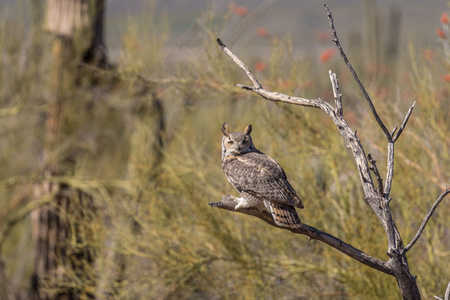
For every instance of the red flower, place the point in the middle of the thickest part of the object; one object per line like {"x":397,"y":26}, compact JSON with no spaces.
{"x":261,"y":31}
{"x":326,"y":54}
{"x":428,"y":55}
{"x":260,"y":66}
{"x":446,"y":77}
{"x":240,"y":10}
{"x":444,"y":18}
{"x":440,"y":33}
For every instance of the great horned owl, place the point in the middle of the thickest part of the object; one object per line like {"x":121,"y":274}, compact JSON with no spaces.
{"x":259,"y":179}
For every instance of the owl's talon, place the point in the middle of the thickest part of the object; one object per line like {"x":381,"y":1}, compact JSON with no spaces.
{"x":215,"y":204}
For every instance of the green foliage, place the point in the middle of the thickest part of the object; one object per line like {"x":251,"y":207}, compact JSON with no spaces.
{"x":156,"y":237}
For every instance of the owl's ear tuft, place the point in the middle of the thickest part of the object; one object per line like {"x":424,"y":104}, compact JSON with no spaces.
{"x":225,"y":130}
{"x":248,"y":129}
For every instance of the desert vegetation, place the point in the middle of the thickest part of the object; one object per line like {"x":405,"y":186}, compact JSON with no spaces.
{"x":139,"y":141}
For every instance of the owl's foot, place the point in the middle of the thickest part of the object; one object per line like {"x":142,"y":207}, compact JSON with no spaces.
{"x":241,"y":203}
{"x":227,"y":202}
{"x":230,"y":200}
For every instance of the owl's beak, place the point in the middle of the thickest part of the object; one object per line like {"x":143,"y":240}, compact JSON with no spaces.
{"x":238,"y":150}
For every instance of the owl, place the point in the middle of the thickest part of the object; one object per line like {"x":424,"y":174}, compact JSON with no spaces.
{"x":259,"y":179}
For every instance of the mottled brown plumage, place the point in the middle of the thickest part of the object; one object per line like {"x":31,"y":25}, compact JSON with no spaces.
{"x":259,"y":179}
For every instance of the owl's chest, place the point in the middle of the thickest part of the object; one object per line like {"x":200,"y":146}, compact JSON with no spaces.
{"x":247,"y":169}
{"x":240,"y":165}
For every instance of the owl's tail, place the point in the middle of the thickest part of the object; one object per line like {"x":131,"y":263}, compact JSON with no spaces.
{"x":283,"y":215}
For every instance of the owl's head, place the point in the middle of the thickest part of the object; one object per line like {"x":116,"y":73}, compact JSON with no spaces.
{"x":236,"y":143}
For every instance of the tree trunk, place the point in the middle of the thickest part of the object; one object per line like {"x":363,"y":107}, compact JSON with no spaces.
{"x":65,"y":17}
{"x":96,"y":53}
{"x":62,"y":237}
{"x":406,"y":282}
{"x":46,"y":226}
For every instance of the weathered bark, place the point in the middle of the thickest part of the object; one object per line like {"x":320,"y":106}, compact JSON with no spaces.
{"x":48,"y":231}
{"x":67,"y":18}
{"x":63,"y":247}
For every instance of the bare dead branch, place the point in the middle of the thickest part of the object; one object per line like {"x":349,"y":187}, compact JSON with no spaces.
{"x":426,"y":219}
{"x":447,"y":292}
{"x":390,"y":169}
{"x":374,"y":169}
{"x":241,"y":65}
{"x":274,"y":96}
{"x":355,"y":76}
{"x":229,"y":202}
{"x":246,"y":87}
{"x":393,"y":131}
{"x":337,"y":94}
{"x":408,"y":114}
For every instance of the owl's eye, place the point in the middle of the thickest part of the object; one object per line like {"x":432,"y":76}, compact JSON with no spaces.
{"x":230,"y":142}
{"x":245,"y":141}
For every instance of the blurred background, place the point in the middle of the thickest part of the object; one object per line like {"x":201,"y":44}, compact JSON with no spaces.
{"x":110,"y":117}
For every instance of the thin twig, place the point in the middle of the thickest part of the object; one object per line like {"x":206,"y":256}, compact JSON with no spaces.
{"x":390,"y":169}
{"x":274,"y":96}
{"x":394,"y":130}
{"x":447,"y":292}
{"x":425,"y":220}
{"x":408,"y":114}
{"x":360,"y":85}
{"x":246,"y":87}
{"x":337,"y":93}
{"x":237,"y":61}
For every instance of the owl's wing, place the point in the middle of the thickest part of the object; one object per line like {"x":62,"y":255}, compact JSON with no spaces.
{"x":261,"y":176}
